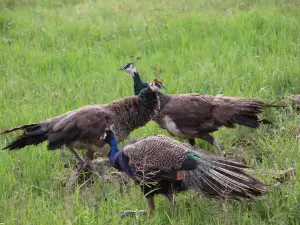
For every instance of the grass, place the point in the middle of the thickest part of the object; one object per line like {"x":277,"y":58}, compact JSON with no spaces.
{"x":60,"y":55}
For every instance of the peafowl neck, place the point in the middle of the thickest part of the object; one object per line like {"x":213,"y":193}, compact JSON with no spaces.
{"x":138,"y":84}
{"x":149,"y":98}
{"x":113,"y":147}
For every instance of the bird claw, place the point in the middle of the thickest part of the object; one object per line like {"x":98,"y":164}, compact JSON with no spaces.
{"x":83,"y":166}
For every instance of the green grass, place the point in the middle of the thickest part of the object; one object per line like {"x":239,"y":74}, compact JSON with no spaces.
{"x":60,"y":55}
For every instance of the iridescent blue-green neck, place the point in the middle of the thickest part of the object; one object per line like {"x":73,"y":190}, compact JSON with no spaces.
{"x":138,"y":84}
{"x":113,"y":143}
{"x":111,"y":140}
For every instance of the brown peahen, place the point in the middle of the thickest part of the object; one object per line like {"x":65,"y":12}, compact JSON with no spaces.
{"x":82,"y":128}
{"x":162,"y":165}
{"x":193,"y":116}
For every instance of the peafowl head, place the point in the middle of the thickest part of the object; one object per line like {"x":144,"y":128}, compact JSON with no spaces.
{"x":137,"y":81}
{"x":107,"y":136}
{"x":129,"y":68}
{"x":156,"y":85}
{"x":149,"y":95}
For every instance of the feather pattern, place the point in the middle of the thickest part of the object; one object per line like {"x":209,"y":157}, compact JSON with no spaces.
{"x":161,"y":165}
{"x":194,"y":115}
{"x":214,"y":176}
{"x":83,"y":127}
{"x":142,"y":152}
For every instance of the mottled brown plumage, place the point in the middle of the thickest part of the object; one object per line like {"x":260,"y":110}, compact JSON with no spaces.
{"x":162,"y":165}
{"x":82,"y":128}
{"x":196,"y":115}
{"x":193,"y":116}
{"x":157,"y":152}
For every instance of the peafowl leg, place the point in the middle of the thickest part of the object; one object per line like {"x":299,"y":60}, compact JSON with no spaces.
{"x":75,"y":154}
{"x":151,"y":204}
{"x":64,"y":157}
{"x":210,"y":139}
{"x":86,"y":162}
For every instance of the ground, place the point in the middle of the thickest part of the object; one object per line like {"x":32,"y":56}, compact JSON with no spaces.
{"x":60,"y":55}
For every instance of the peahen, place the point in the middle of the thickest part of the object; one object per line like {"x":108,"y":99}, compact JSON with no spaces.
{"x":82,"y":128}
{"x":162,"y":165}
{"x":193,"y":116}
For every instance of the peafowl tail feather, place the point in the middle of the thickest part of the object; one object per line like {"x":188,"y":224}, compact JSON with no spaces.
{"x":222,"y":178}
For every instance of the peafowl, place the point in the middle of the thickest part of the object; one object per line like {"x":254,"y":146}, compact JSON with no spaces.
{"x":161,"y":165}
{"x":193,"y":116}
{"x":82,"y":128}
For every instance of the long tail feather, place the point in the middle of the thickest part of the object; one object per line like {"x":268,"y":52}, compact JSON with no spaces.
{"x":243,"y":111}
{"x":24,"y":140}
{"x":23,"y":127}
{"x":222,"y":178}
{"x":33,"y":134}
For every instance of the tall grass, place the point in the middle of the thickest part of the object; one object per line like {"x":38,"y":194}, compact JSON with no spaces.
{"x":60,"y":55}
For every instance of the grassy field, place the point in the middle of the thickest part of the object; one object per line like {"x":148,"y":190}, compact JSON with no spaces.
{"x":60,"y":55}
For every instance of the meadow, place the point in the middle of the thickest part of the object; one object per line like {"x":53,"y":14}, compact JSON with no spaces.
{"x":63,"y":54}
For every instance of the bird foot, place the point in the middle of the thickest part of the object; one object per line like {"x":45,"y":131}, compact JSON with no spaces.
{"x":85,"y":170}
{"x":82,"y":165}
{"x":126,"y":213}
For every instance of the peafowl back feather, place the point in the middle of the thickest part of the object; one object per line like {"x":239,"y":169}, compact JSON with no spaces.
{"x":161,"y":157}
